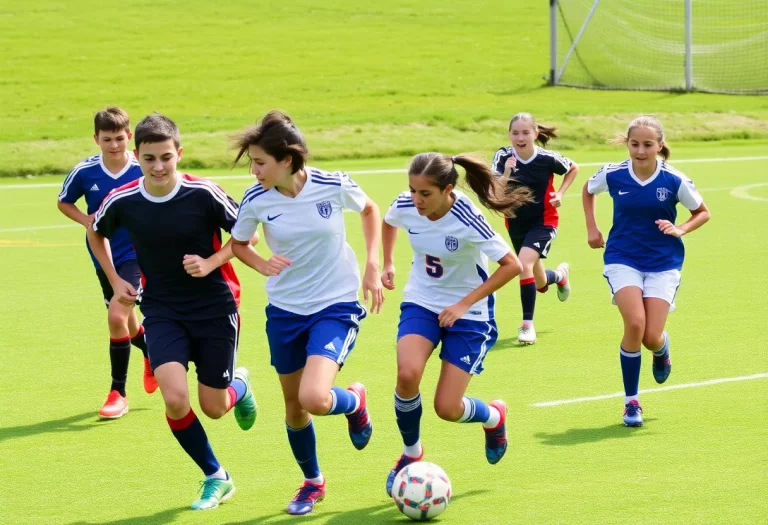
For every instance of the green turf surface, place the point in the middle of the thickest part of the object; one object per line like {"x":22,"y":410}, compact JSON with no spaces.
{"x":700,"y":458}
{"x":361,"y":80}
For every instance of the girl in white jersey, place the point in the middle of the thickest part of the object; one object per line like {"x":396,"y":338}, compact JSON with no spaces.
{"x":313,"y":315}
{"x":449,"y":295}
{"x":644,"y":253}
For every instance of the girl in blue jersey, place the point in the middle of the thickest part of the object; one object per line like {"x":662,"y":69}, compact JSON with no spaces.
{"x":644,"y":253}
{"x":313,"y":314}
{"x":534,"y":226}
{"x":449,"y":295}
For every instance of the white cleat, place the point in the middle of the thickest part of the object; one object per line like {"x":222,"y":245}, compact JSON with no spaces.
{"x":564,"y":291}
{"x":526,"y":335}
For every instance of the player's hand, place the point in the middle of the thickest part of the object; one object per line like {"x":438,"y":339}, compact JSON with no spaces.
{"x":595,"y":239}
{"x":372,"y":284}
{"x":556,"y":199}
{"x":510,"y":164}
{"x":275,"y":265}
{"x":452,"y":314}
{"x":124,"y":292}
{"x":388,"y":277}
{"x":89,"y":221}
{"x":667,"y":228}
{"x":196,"y":266}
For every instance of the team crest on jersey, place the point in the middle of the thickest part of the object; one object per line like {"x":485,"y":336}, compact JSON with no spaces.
{"x":452,"y":243}
{"x":324,"y":209}
{"x":662,"y":194}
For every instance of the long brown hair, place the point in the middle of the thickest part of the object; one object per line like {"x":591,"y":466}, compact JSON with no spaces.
{"x":546,"y":133}
{"x":492,"y":191}
{"x":278,"y":136}
{"x":648,"y":121}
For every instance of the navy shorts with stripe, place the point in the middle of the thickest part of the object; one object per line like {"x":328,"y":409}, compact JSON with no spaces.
{"x":210,"y":343}
{"x":465,"y":344}
{"x":538,"y":238}
{"x":331,"y":333}
{"x":128,"y":271}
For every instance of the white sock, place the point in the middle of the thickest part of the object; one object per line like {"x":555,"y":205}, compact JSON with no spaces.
{"x":627,"y":399}
{"x":219,"y":474}
{"x":413,"y":451}
{"x":494,"y":418}
{"x":319,"y":480}
{"x":357,"y":403}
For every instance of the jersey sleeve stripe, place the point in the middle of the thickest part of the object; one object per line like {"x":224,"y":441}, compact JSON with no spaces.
{"x":320,"y":181}
{"x":473,"y":217}
{"x":253,"y":192}
{"x":72,"y":174}
{"x":113,"y":197}
{"x":467,"y":223}
{"x":215,"y":191}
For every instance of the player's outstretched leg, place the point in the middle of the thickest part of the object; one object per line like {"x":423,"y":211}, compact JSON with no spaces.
{"x":662,"y":365}
{"x":214,"y":491}
{"x":496,"y":437}
{"x":359,"y":422}
{"x":304,"y":447}
{"x":630,"y":371}
{"x":241,"y":396}
{"x":408,"y":414}
{"x":526,"y":334}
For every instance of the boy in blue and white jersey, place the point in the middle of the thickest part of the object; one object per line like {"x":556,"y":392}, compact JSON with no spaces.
{"x":313,"y":315}
{"x":449,"y":296}
{"x":644,"y":253}
{"x":93,"y":179}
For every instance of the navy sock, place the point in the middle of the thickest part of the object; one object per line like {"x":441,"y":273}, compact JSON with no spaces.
{"x":191,"y":436}
{"x":630,"y":371}
{"x":119,"y":354}
{"x":408,"y":413}
{"x":551,"y":277}
{"x":304,"y":447}
{"x":528,"y":297}
{"x":475,"y":411}
{"x":139,"y":342}
{"x":344,"y":401}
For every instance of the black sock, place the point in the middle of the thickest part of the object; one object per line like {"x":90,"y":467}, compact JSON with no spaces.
{"x":139,"y":342}
{"x":552,"y":277}
{"x":119,"y":354}
{"x":528,"y":298}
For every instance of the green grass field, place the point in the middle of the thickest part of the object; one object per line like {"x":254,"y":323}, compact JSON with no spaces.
{"x":700,"y":458}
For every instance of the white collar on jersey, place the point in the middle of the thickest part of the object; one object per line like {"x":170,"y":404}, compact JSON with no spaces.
{"x":535,"y":152}
{"x":164,"y":198}
{"x":649,"y":179}
{"x":122,"y":171}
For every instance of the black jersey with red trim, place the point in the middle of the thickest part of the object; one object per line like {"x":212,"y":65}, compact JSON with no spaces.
{"x":537,"y":173}
{"x":187,"y":221}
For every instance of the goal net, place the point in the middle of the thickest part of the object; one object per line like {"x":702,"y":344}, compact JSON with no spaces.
{"x":681,"y":45}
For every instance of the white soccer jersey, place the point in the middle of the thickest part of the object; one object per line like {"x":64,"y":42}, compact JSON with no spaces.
{"x":308,"y":230}
{"x":450,"y":255}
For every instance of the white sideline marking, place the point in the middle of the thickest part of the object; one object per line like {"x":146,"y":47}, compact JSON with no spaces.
{"x":742,"y":193}
{"x":650,"y":390}
{"x":32,"y":228}
{"x":374,"y":172}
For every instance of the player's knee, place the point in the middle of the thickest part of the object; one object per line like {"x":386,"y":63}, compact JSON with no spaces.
{"x":653,"y":341}
{"x":314,"y":402}
{"x":294,"y":413}
{"x":635,"y":327}
{"x":408,"y":378}
{"x":176,"y":403}
{"x":448,"y":411}
{"x":118,"y":322}
{"x":213,"y":408}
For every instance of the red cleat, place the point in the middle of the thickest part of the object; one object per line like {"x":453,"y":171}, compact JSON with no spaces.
{"x":150,"y":383}
{"x":114,"y":407}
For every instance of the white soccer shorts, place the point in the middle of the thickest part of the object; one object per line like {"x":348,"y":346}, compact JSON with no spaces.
{"x":663,"y":285}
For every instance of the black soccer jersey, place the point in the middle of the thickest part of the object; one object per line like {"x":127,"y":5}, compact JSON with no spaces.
{"x":187,"y":221}
{"x":537,"y":173}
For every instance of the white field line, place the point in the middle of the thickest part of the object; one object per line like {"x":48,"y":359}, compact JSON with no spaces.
{"x":57,"y":226}
{"x":385,"y":171}
{"x":650,"y":390}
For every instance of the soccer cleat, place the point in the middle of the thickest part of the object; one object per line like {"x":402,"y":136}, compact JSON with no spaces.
{"x":359,"y":422}
{"x":662,"y":366}
{"x":305,"y":499}
{"x":150,"y":383}
{"x":215,"y":491}
{"x":245,"y":409}
{"x":526,"y":335}
{"x":496,"y":438}
{"x":114,"y":407}
{"x":403,"y":462}
{"x":633,"y":414}
{"x":564,"y":286}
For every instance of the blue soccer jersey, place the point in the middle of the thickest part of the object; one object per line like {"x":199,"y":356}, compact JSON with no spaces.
{"x":91,"y":179}
{"x":635,"y":239}
{"x":187,"y":221}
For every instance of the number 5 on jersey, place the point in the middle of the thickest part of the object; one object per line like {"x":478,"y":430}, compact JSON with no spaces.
{"x":434,"y":268}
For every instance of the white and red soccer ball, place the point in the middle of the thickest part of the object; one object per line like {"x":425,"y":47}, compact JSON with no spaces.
{"x":421,"y":490}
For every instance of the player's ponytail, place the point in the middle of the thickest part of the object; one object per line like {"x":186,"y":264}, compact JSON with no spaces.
{"x":278,"y":136}
{"x":647,"y":121}
{"x":545,"y":133}
{"x":492,"y":191}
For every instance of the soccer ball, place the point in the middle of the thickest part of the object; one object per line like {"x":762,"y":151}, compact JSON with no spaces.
{"x":421,"y":490}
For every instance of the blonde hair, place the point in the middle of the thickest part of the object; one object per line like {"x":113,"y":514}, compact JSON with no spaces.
{"x":647,"y":121}
{"x":546,"y":133}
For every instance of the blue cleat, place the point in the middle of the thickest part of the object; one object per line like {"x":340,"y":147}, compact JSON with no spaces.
{"x":305,"y":499}
{"x":359,"y":423}
{"x":496,"y":438}
{"x":403,"y":462}
{"x":662,"y":366}
{"x":633,"y":414}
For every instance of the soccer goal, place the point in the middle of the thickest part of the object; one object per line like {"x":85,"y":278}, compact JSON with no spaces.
{"x":678,"y":45}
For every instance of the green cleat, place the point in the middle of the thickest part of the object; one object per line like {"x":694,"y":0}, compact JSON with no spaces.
{"x":215,"y":491}
{"x":245,"y":409}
